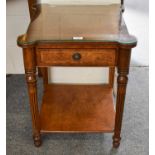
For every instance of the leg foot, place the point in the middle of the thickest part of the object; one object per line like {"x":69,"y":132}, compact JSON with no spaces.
{"x":116,"y":142}
{"x":37,"y":140}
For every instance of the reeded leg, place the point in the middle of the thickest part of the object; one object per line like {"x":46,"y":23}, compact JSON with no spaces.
{"x":30,"y":71}
{"x":122,"y":79}
{"x":121,"y":91}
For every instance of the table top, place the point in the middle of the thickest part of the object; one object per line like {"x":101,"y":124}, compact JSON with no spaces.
{"x":77,"y":23}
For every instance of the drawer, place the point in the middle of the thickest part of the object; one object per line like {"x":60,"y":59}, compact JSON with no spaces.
{"x":76,"y":57}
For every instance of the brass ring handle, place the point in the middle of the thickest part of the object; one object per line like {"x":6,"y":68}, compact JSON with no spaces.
{"x":76,"y":56}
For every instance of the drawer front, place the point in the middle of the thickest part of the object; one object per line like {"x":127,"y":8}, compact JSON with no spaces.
{"x":76,"y":57}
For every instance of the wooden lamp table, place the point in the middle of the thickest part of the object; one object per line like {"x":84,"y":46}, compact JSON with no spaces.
{"x":77,"y":36}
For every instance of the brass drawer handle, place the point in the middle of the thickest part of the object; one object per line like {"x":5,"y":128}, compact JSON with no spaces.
{"x":76,"y":56}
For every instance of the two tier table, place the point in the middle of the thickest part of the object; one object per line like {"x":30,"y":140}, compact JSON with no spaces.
{"x":85,"y":36}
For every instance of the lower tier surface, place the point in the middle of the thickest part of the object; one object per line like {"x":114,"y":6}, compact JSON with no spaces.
{"x":77,"y":108}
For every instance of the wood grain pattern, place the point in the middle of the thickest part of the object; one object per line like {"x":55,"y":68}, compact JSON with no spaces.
{"x":64,"y":57}
{"x":77,"y":108}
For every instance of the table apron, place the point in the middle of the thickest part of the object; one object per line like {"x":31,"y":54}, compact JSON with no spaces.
{"x":76,"y":57}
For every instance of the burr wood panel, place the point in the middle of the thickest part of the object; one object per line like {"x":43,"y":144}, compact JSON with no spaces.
{"x":76,"y":57}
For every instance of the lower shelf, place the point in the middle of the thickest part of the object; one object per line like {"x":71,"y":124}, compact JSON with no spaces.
{"x":77,"y":108}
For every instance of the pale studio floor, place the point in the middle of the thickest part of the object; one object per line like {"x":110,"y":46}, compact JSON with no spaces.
{"x":135,"y":123}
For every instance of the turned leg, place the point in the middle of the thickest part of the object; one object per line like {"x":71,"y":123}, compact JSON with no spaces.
{"x":122,"y":79}
{"x":30,"y":71}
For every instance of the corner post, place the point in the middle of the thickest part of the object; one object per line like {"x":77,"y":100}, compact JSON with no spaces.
{"x":122,"y":79}
{"x":30,"y":71}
